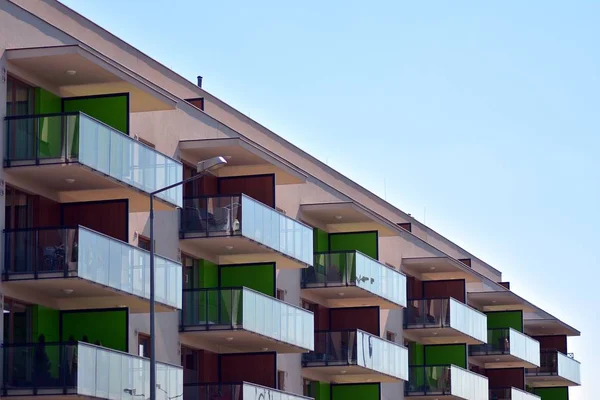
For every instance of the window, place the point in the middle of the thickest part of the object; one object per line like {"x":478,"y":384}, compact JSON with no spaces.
{"x":143,"y":243}
{"x":19,"y":98}
{"x":391,"y":336}
{"x":280,"y":294}
{"x":281,"y":380}
{"x":143,"y":345}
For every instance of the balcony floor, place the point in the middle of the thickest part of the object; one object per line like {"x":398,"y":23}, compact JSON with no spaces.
{"x":89,"y":185}
{"x":548,"y":380}
{"x":236,"y":249}
{"x":501,"y":361}
{"x":436,"y":335}
{"x":352,"y":374}
{"x":228,"y":341}
{"x":348,"y":296}
{"x":85,"y":294}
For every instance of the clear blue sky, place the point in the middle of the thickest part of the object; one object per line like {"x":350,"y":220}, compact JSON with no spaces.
{"x":485,"y":115}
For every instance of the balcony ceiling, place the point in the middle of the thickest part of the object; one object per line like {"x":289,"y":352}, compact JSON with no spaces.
{"x":537,"y":322}
{"x":545,"y":327}
{"x":76,"y":293}
{"x":243,"y":158}
{"x":498,"y":301}
{"x":438,"y":268}
{"x":345,"y":217}
{"x":95,"y":74}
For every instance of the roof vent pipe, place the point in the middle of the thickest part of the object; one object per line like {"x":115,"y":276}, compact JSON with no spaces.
{"x":199,"y":81}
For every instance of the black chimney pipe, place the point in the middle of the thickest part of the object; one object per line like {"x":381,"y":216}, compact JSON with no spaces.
{"x":199,"y":81}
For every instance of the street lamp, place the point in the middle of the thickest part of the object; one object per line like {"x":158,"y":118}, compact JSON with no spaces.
{"x":202,"y":168}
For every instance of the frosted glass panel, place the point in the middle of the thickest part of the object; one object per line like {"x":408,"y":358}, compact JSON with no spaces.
{"x":382,"y":356}
{"x":109,"y":374}
{"x":279,"y":232}
{"x":468,"y":320}
{"x":568,"y":368}
{"x":127,"y":160}
{"x":121,"y":266}
{"x":354,"y":268}
{"x":468,"y":385}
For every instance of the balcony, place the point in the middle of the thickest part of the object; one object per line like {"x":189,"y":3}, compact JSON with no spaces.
{"x":445,"y":382}
{"x":507,"y":348}
{"x":239,"y":229}
{"x":236,"y":391}
{"x":511,"y":394}
{"x":442,"y":321}
{"x":352,"y":279}
{"x":243,"y":320}
{"x":81,"y":158}
{"x":556,"y":369}
{"x":352,"y":356}
{"x":82,"y":370}
{"x":78,"y":268}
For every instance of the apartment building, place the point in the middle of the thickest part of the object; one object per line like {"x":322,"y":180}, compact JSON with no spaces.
{"x":276,"y":276}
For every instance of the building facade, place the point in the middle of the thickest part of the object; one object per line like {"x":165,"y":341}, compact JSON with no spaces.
{"x":276,"y":276}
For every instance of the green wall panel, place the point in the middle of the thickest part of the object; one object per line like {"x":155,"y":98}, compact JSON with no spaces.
{"x":365,"y":242}
{"x":260,"y":277}
{"x":355,"y":392}
{"x":107,"y":326}
{"x":45,"y":322}
{"x":208,"y":274}
{"x":320,"y":241}
{"x":447,"y":354}
{"x":50,"y":128}
{"x":112,"y":110}
{"x":505,"y":319}
{"x":416,"y":352}
{"x":320,"y":390}
{"x":561,"y":393}
{"x":46,"y":102}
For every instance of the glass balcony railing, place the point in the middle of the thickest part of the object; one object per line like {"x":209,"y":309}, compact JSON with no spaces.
{"x":508,"y":341}
{"x":511,"y":394}
{"x":446,"y":380}
{"x":215,"y":216}
{"x":236,"y":391}
{"x":555,"y":363}
{"x":79,"y":138}
{"x":247,"y":309}
{"x":356,"y":347}
{"x":446,"y":313}
{"x":63,"y":252}
{"x":85,"y":370}
{"x":353,"y":268}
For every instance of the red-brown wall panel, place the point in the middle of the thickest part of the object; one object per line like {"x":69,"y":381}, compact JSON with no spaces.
{"x":506,"y":377}
{"x":46,"y":212}
{"x":365,"y":318}
{"x":451,"y":288}
{"x":558,"y":342}
{"x":259,"y":187}
{"x":259,"y":368}
{"x":414,"y":288}
{"x":108,"y":217}
{"x":321,"y":318}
